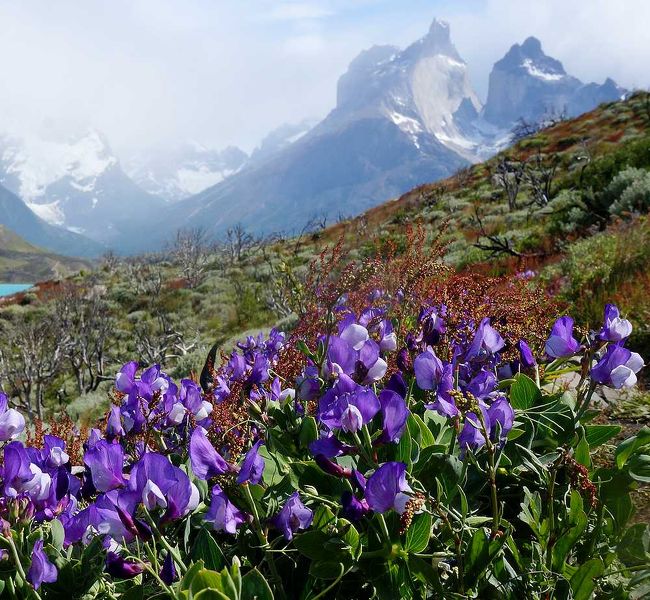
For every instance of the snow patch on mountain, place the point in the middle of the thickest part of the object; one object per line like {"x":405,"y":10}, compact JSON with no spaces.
{"x":50,"y":212}
{"x":190,"y":168}
{"x":36,"y":163}
{"x":535,"y":71}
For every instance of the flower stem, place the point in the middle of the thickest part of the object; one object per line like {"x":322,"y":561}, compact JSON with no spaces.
{"x":264,"y":542}
{"x":384,"y":527}
{"x":175,"y":555}
{"x":491,"y":451}
{"x":19,"y":566}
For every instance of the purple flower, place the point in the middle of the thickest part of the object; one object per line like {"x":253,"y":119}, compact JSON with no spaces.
{"x":206,"y":461}
{"x":223,"y":514}
{"x":156,"y":482}
{"x":618,"y":367}
{"x":341,"y":356}
{"x":471,"y":435}
{"x":333,"y":406}
{"x":168,"y":572}
{"x":369,"y":366}
{"x":259,"y":370}
{"x":353,"y":509}
{"x":501,"y":412}
{"x":351,"y":419}
{"x":41,"y":570}
{"x":397,"y":384}
{"x":386,"y":486}
{"x":116,"y":566}
{"x":53,"y":453}
{"x":526,"y":355}
{"x":293,"y":516}
{"x":433,"y":326}
{"x":125,"y":379}
{"x":331,"y":467}
{"x":428,"y":370}
{"x":487,"y":341}
{"x":562,"y":344}
{"x":329,"y":446}
{"x":394,"y":415}
{"x":404,"y":361}
{"x":482,"y":385}
{"x":12,"y":423}
{"x":355,"y":336}
{"x":105,"y":461}
{"x":252,"y":468}
{"x":615,"y":329}
{"x":444,"y":403}
{"x":114,"y":423}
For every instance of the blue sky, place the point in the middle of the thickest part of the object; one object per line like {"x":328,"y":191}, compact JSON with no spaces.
{"x":221,"y":72}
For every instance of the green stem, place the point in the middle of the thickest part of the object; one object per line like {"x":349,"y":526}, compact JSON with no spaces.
{"x":19,"y":566}
{"x":175,"y":555}
{"x":491,"y":451}
{"x":264,"y":542}
{"x":332,"y":585}
{"x":384,"y":528}
{"x":362,"y":449}
{"x":551,"y":520}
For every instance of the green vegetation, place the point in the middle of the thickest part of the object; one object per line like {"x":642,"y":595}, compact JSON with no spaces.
{"x":565,"y":206}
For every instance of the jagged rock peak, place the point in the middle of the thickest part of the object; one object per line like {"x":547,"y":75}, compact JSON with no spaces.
{"x":436,"y":41}
{"x":530,"y":57}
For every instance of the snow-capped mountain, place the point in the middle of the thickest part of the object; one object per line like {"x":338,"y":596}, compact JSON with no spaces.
{"x":281,"y":137}
{"x":73,"y":181}
{"x":528,"y":84}
{"x":184,"y":171}
{"x":403,"y":117}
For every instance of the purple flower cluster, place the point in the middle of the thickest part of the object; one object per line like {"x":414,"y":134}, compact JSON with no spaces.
{"x":145,"y":470}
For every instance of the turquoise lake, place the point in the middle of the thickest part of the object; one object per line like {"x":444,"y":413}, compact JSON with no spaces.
{"x":6,"y":289}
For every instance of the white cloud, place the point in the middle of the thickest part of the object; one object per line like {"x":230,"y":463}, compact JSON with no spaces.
{"x":222,"y":72}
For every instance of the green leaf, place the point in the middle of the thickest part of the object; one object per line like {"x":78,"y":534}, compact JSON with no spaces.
{"x":403,"y":453}
{"x":58,"y":534}
{"x":210,"y":594}
{"x":583,"y":580}
{"x":639,"y":467}
{"x":515,"y":432}
{"x":326,"y":569}
{"x":631,"y":445}
{"x":323,"y":517}
{"x":204,"y":579}
{"x":255,"y":587}
{"x":477,"y":557}
{"x":206,"y":549}
{"x":424,"y":572}
{"x":186,"y":582}
{"x":577,"y":525}
{"x":524,"y":392}
{"x":312,"y":545}
{"x":350,"y":536}
{"x":582,"y":455}
{"x":426,"y":437}
{"x":134,"y":593}
{"x":418,"y":534}
{"x":596,"y":435}
{"x":634,"y":547}
{"x":308,"y":432}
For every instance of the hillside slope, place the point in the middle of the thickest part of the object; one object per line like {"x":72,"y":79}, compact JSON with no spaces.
{"x":16,"y":216}
{"x":22,"y":262}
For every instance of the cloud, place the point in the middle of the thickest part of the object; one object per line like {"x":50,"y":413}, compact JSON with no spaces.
{"x":149,"y":72}
{"x":291,"y":11}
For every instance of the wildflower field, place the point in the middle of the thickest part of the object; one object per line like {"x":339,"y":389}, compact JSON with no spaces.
{"x":410,"y":437}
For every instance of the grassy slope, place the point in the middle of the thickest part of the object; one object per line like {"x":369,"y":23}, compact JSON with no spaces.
{"x":22,"y":262}
{"x":586,"y":263}
{"x":233,"y":300}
